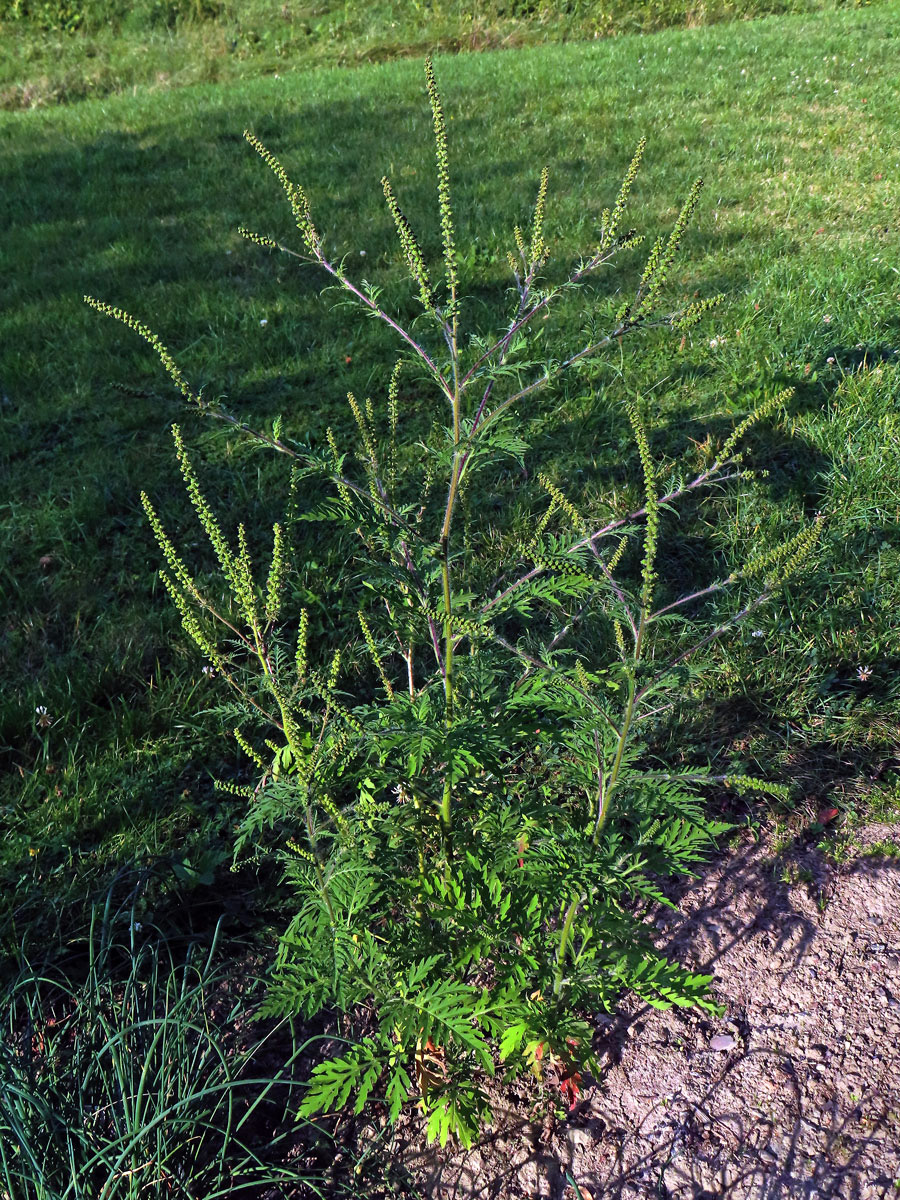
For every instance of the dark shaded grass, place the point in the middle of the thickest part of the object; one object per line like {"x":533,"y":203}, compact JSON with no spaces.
{"x":136,"y":201}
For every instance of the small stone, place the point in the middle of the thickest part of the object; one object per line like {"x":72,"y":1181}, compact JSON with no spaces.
{"x":722,"y":1041}
{"x":578,"y":1139}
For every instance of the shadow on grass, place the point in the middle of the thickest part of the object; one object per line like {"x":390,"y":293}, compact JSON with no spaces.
{"x":144,"y":217}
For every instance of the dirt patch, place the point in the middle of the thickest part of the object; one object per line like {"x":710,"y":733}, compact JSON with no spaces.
{"x":793,"y":1093}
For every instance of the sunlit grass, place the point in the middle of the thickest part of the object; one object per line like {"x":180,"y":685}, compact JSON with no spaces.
{"x":136,"y":200}
{"x":104,"y":47}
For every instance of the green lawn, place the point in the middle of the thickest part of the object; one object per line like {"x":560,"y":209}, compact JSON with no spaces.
{"x":136,"y":199}
{"x":59,"y":51}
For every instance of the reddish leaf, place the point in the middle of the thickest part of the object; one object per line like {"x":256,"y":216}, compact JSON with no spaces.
{"x":570,"y":1089}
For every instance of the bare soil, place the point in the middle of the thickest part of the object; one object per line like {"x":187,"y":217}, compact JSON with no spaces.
{"x":797,"y":1097}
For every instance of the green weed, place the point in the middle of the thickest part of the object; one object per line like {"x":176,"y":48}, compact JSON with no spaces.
{"x":459,"y":785}
{"x":130,"y":198}
{"x":129,"y":1075}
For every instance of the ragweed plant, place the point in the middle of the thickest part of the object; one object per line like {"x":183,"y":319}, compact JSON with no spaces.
{"x":460,"y":790}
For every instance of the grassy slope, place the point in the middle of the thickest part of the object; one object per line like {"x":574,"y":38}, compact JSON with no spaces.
{"x":120,"y":46}
{"x":793,"y":122}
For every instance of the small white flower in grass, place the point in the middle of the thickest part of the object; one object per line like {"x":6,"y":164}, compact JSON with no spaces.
{"x":209,"y":672}
{"x":44,"y":719}
{"x":863,"y":674}
{"x":757,"y":633}
{"x":830,"y":359}
{"x":827,"y":318}
{"x":362,"y":254}
{"x":264,"y":321}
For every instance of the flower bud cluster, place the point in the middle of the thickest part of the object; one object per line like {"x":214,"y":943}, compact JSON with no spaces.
{"x":763,"y":410}
{"x":562,"y":501}
{"x":252,"y":754}
{"x":168,"y":362}
{"x":411,"y":247}
{"x":612,"y":221}
{"x":651,"y":504}
{"x":207,"y":517}
{"x":443,"y":173}
{"x":277,"y":574}
{"x":295,"y":194}
{"x":784,"y":560}
{"x":376,"y":657}
{"x":539,"y":249}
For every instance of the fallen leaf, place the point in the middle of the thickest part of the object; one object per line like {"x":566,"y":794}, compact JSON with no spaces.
{"x":578,"y":1192}
{"x":827,"y":814}
{"x":570,"y":1089}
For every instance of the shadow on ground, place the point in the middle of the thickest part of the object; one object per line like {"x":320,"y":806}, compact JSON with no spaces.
{"x":800,"y":1102}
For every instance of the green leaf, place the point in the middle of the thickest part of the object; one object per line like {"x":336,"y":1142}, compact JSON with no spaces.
{"x":398,"y":1088}
{"x":512,"y":1039}
{"x":332,"y":1082}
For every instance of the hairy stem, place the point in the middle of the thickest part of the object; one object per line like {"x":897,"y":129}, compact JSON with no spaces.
{"x":564,"y":938}
{"x":452,"y":497}
{"x":345,"y":283}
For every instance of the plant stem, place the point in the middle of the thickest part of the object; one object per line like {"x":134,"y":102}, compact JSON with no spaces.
{"x":707,"y":478}
{"x":446,"y":814}
{"x":603,"y":804}
{"x":345,"y":283}
{"x":564,"y":938}
{"x":452,"y":496}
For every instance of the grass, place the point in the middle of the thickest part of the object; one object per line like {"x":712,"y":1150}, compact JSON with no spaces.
{"x":138,"y":1074}
{"x":136,"y":199}
{"x":73,"y":49}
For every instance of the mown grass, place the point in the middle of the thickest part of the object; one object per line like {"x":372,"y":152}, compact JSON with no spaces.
{"x":54,"y":51}
{"x":136,"y":200}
